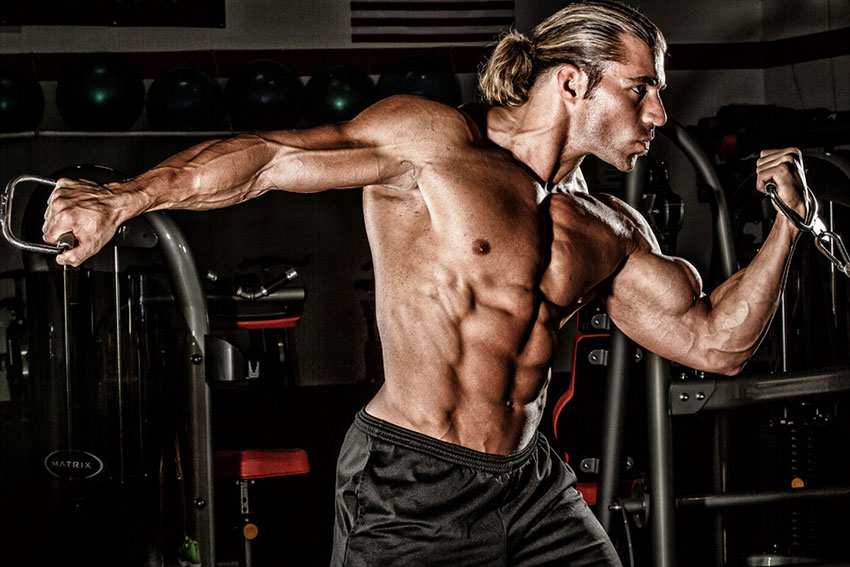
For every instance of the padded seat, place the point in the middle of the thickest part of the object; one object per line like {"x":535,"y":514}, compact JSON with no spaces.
{"x":246,"y":466}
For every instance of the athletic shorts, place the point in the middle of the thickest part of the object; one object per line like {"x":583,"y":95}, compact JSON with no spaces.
{"x":407,"y":499}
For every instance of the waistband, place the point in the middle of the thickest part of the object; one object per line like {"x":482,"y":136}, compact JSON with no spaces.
{"x":442,"y":449}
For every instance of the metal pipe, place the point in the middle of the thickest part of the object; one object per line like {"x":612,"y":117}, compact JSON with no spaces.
{"x":286,"y":295}
{"x":663,"y":504}
{"x":723,"y":236}
{"x":779,"y":497}
{"x":190,"y":296}
{"x":720,"y":470}
{"x":119,"y":363}
{"x":613,"y":425}
{"x":66,"y":345}
{"x":617,"y":383}
{"x":184,"y":274}
{"x":122,"y":134}
{"x":724,"y":243}
{"x":662,"y":515}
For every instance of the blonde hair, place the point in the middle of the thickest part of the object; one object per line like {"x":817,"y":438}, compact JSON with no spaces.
{"x":586,"y":34}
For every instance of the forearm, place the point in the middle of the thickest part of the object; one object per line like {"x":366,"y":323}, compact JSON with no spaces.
{"x":743,"y":306}
{"x":210,"y":175}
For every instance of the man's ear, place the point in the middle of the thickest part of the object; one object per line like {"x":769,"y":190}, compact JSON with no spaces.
{"x":572,"y":82}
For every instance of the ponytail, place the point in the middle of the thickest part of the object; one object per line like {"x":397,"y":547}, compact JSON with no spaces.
{"x":506,"y":76}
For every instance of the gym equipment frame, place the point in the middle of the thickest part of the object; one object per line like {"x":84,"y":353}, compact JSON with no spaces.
{"x":666,"y":399}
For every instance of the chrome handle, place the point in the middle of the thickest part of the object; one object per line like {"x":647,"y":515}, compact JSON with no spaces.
{"x":65,"y":241}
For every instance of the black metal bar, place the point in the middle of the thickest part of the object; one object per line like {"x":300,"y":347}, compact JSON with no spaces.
{"x":620,"y":357}
{"x":290,"y":294}
{"x":720,"y":470}
{"x":663,"y":502}
{"x":286,"y":294}
{"x":778,"y":497}
{"x":694,"y":396}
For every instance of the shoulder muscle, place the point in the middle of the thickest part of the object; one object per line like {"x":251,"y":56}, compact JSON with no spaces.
{"x":644,"y":238}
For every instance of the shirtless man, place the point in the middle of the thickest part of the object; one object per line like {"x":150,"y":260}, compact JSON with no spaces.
{"x":484,"y":240}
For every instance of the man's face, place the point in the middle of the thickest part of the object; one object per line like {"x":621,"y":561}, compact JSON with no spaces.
{"x":618,"y":120}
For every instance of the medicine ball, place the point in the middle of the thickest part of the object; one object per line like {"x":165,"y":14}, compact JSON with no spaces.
{"x":422,"y":75}
{"x":185,"y":98}
{"x":336,"y":94}
{"x":262,"y":95}
{"x":100,"y":91}
{"x":21,"y":101}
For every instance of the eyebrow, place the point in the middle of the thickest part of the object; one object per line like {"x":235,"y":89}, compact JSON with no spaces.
{"x":651,"y":81}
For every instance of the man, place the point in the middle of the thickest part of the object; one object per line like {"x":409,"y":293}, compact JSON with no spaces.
{"x":484,"y":240}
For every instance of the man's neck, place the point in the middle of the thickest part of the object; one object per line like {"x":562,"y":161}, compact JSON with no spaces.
{"x":536,"y":134}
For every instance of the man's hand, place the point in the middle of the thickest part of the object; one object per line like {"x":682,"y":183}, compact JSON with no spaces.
{"x":785,"y":169}
{"x":91,"y":212}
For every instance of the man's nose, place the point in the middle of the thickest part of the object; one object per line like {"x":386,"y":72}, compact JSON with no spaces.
{"x":654,"y":113}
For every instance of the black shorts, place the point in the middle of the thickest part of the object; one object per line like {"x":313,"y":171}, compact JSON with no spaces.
{"x":407,"y":499}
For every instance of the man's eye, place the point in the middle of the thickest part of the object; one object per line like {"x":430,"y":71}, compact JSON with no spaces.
{"x":640,"y":90}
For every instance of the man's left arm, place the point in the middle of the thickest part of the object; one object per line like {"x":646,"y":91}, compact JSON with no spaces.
{"x":657,"y":300}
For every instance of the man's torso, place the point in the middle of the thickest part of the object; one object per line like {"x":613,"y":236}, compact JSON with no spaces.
{"x":473,"y":279}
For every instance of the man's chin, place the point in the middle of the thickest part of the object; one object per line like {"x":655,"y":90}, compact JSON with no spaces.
{"x":629,"y":163}
{"x":622,"y":163}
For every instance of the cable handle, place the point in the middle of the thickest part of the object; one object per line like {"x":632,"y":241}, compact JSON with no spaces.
{"x":827,"y":242}
{"x":809,"y":200}
{"x":66,"y":240}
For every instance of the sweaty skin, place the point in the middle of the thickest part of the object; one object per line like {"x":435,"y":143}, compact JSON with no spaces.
{"x":473,"y":275}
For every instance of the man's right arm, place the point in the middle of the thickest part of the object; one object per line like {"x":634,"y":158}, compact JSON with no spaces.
{"x":225,"y":172}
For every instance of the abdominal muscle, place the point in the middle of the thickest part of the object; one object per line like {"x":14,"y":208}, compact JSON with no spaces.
{"x":478,"y":380}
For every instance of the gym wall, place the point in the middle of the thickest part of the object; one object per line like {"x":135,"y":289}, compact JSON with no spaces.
{"x":327,"y":229}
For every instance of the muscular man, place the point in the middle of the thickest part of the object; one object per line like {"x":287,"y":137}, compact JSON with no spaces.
{"x":485,"y":240}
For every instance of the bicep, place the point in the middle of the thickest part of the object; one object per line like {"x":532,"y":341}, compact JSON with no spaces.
{"x":657,"y":301}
